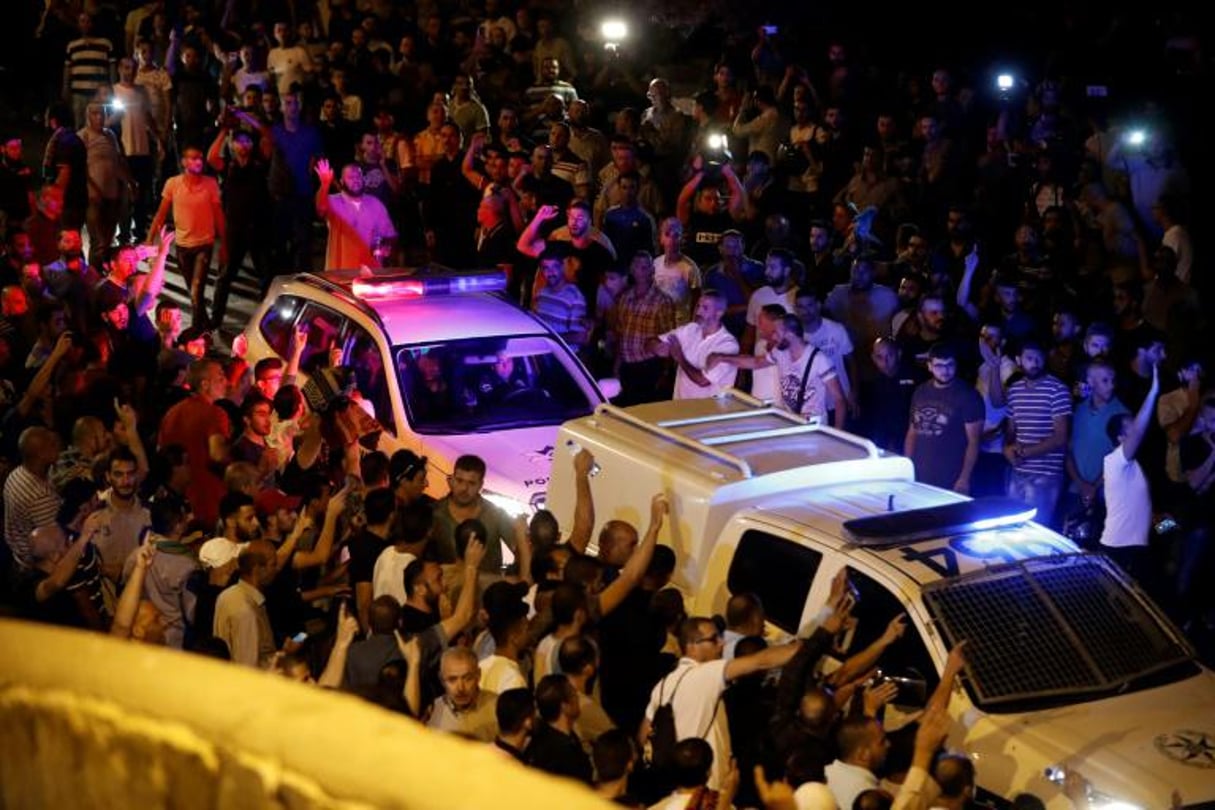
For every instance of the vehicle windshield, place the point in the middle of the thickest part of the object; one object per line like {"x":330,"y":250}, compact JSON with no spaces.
{"x":1056,"y":630}
{"x":481,"y":385}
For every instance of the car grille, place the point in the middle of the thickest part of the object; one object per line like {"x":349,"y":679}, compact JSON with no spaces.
{"x":1049,"y":627}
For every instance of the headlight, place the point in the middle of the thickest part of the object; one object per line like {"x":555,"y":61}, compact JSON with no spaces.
{"x":1096,"y":799}
{"x":507,"y":504}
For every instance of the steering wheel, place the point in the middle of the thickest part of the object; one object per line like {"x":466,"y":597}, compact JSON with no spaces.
{"x":521,"y":395}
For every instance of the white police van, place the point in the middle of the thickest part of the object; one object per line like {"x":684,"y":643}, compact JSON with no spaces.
{"x":1068,"y":664}
{"x":448,"y":365}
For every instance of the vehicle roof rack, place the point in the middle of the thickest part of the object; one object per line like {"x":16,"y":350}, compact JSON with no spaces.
{"x":683,"y":431}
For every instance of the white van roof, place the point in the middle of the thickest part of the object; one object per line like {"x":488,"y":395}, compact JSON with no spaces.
{"x":734,"y":438}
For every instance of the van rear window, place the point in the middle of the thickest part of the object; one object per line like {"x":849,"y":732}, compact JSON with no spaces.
{"x":779,"y":571}
{"x":1055,"y":630}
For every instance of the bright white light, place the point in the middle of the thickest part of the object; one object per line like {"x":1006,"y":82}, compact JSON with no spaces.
{"x":1136,"y":137}
{"x":1004,"y":81}
{"x":717,"y":141}
{"x":116,"y":103}
{"x":1004,"y":520}
{"x":614,"y":30}
{"x":507,"y":504}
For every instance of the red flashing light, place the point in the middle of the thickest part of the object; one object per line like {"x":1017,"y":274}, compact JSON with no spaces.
{"x":420,"y":286}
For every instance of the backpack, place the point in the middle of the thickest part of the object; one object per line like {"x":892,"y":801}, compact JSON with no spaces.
{"x":662,"y":728}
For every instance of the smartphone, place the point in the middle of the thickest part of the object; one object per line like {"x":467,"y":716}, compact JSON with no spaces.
{"x":300,"y":637}
{"x":770,"y":30}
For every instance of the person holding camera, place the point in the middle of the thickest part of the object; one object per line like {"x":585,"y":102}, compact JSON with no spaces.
{"x":703,"y":211}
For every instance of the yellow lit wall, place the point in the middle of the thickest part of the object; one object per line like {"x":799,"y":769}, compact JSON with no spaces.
{"x":90,"y":722}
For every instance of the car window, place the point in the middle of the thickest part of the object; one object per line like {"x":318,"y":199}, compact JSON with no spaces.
{"x":324,"y":331}
{"x":278,"y":322}
{"x":478,"y":385}
{"x":777,"y":570}
{"x":362,"y":354}
{"x":874,"y":609}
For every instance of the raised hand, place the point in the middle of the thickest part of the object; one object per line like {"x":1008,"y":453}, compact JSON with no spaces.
{"x":324,"y":172}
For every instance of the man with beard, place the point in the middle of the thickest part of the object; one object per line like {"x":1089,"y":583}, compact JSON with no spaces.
{"x":465,"y":501}
{"x":946,"y":425}
{"x":71,"y":279}
{"x":560,"y":304}
{"x":806,"y":376}
{"x":117,"y":527}
{"x":691,"y":345}
{"x":241,"y":620}
{"x":198,"y":216}
{"x":359,"y":225}
{"x":1035,"y":439}
{"x":590,"y":252}
{"x":780,"y":290}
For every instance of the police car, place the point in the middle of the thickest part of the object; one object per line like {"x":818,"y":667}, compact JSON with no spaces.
{"x":1068,"y":664}
{"x":446,"y":364}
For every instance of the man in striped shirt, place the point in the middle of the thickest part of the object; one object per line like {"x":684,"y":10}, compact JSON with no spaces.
{"x":29,"y":499}
{"x":1035,"y":441}
{"x":89,"y":65}
{"x":561,"y":304}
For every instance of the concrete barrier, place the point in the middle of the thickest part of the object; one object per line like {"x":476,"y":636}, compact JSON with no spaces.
{"x":91,"y":722}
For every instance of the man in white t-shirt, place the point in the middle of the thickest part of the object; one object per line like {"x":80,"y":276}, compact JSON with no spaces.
{"x":781,"y":290}
{"x":500,"y":671}
{"x":674,"y":272}
{"x":1128,"y":502}
{"x":691,"y":345}
{"x":694,"y":689}
{"x":831,"y":338}
{"x":288,"y":63}
{"x":413,"y":527}
{"x":806,"y":376}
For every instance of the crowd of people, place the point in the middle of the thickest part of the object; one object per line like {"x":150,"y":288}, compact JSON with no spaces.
{"x":1000,"y":285}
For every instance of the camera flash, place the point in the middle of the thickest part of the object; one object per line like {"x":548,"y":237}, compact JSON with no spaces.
{"x":1136,"y":137}
{"x":717,"y":141}
{"x":1004,"y":81}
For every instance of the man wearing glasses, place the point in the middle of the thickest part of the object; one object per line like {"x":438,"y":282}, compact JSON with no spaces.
{"x":694,"y":689}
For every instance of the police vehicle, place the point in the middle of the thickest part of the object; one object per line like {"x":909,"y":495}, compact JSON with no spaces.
{"x":1068,"y":664}
{"x":444,"y":362}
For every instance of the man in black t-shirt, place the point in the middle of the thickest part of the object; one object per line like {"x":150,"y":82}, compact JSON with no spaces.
{"x":705,"y":216}
{"x":366,"y":546}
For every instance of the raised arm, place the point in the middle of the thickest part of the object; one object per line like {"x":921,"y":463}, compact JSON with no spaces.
{"x":324,"y":173}
{"x":968,"y":276}
{"x":468,"y":166}
{"x":868,"y":657}
{"x":466,"y":605}
{"x":148,"y":292}
{"x":335,"y":667}
{"x":630,"y":576}
{"x":765,"y":659}
{"x":132,"y":592}
{"x":61,"y":574}
{"x":530,"y":243}
{"x":683,"y":207}
{"x":46,"y":371}
{"x":1143,"y":418}
{"x":738,"y":195}
{"x":324,"y":544}
{"x":584,"y":502}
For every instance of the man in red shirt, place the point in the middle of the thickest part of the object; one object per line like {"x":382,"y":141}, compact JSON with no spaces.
{"x":202,"y":428}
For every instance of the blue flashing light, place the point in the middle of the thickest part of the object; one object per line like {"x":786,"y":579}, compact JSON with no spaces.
{"x":998,"y":521}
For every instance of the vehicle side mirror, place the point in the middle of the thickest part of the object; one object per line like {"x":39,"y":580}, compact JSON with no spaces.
{"x":913,"y":691}
{"x":609,"y":386}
